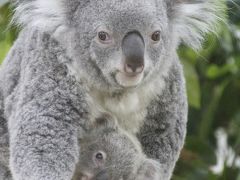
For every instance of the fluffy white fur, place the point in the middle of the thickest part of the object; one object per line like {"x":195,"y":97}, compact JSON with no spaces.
{"x":45,"y":14}
{"x":130,"y":110}
{"x":192,"y":20}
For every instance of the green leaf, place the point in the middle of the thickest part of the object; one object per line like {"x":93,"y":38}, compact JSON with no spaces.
{"x":192,"y":83}
{"x":4,"y":46}
{"x":7,"y":35}
{"x":214,"y":71}
{"x":204,"y":150}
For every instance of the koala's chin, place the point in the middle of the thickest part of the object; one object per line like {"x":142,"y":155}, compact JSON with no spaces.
{"x":127,"y":80}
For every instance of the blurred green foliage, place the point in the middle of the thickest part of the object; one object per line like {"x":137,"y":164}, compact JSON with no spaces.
{"x":7,"y":34}
{"x":213,"y":86}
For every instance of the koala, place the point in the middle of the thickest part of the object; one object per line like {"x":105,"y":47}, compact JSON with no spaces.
{"x":75,"y":59}
{"x":108,"y":152}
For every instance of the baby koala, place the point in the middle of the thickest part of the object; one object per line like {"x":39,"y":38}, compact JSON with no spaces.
{"x":110,"y":153}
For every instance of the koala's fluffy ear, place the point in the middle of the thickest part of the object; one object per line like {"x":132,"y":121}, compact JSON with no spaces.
{"x":106,"y":121}
{"x":192,"y":19}
{"x":46,"y":14}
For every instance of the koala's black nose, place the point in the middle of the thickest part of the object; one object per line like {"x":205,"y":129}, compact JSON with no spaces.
{"x":133,"y":47}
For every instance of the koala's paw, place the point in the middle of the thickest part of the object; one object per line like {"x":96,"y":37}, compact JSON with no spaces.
{"x":149,"y":170}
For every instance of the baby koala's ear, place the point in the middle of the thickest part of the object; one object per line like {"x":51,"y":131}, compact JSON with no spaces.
{"x":106,"y":120}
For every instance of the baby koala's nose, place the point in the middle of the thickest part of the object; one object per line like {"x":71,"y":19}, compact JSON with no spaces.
{"x":85,"y":178}
{"x":103,"y":175}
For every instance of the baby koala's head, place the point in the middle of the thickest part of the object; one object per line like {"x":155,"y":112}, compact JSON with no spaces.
{"x":108,"y":152}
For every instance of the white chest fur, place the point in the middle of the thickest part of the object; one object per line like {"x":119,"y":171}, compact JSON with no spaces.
{"x":129,"y":108}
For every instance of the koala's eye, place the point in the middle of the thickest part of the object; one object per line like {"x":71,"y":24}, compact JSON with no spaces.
{"x":104,"y":37}
{"x":99,"y":156}
{"x":156,"y":36}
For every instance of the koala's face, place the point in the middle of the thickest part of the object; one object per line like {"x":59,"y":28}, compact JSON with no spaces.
{"x":107,"y":155}
{"x":120,"y":42}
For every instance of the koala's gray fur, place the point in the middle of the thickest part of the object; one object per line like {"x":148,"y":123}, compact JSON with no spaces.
{"x":122,"y":157}
{"x":58,"y":77}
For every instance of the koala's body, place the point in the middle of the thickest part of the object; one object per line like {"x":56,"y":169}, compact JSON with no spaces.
{"x":110,"y":153}
{"x":75,"y":59}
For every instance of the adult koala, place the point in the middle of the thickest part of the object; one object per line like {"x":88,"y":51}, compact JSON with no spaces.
{"x":75,"y":59}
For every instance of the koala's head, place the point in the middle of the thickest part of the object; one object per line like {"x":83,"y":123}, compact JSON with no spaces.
{"x":107,"y":153}
{"x":119,"y":44}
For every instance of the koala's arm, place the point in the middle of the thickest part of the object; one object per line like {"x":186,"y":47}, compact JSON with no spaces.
{"x":44,"y":114}
{"x":163,"y":133}
{"x":149,"y":170}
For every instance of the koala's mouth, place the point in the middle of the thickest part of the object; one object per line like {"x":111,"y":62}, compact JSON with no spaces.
{"x":129,"y":79}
